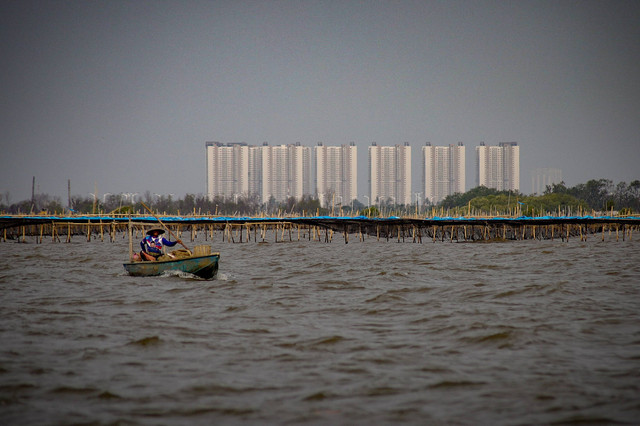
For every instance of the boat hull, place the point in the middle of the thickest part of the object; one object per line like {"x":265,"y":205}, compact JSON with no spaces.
{"x":201,"y":266}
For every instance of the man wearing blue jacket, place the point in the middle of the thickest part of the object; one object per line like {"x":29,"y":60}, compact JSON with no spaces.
{"x":152,"y":244}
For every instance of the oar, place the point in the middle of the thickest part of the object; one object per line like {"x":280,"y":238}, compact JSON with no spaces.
{"x":130,"y":240}
{"x":163,"y":225}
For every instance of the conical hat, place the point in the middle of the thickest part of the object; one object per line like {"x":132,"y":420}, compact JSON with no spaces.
{"x":160,"y":231}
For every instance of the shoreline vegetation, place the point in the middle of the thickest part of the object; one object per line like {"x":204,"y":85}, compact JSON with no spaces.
{"x":596,"y":197}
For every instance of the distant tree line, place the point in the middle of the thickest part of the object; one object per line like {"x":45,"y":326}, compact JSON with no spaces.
{"x":595,"y":195}
{"x":166,"y":205}
{"x":602,"y":194}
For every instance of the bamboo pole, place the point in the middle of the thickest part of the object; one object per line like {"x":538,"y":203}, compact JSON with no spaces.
{"x":130,"y":232}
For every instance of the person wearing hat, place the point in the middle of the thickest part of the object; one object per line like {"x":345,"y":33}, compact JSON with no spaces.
{"x":152,"y":244}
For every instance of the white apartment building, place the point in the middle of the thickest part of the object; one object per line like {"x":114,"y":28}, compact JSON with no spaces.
{"x":390,"y":174}
{"x":543,"y":177}
{"x":443,"y":171}
{"x":255,"y":171}
{"x":236,"y":169}
{"x":498,"y":167}
{"x":286,"y":172}
{"x":336,"y":173}
{"x":227,"y":169}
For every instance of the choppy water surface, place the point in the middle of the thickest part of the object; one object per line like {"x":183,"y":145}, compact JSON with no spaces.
{"x":522,"y":332}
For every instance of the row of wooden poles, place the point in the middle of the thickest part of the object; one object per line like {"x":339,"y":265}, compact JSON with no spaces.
{"x":289,"y":232}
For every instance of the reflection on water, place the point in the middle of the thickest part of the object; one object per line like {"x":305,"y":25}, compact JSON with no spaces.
{"x":519,"y":333}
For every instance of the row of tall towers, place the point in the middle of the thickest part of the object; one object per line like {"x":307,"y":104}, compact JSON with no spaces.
{"x":283,"y":171}
{"x":237,"y":169}
{"x":444,"y":168}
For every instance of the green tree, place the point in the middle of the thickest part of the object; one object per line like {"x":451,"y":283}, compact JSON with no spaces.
{"x":371,"y":211}
{"x":462,"y":199}
{"x":187,"y":204}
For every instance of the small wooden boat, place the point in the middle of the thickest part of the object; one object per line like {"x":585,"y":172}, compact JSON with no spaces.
{"x":201,"y":263}
{"x":201,"y":266}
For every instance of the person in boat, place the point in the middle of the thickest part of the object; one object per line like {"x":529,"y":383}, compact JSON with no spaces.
{"x":153,"y":243}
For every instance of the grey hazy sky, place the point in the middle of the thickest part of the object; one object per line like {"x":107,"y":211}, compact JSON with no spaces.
{"x":124,"y":94}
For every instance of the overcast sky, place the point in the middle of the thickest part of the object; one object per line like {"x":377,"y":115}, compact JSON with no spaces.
{"x":123,"y":95}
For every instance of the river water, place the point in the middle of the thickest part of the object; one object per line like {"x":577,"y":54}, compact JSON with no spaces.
{"x":522,"y":332}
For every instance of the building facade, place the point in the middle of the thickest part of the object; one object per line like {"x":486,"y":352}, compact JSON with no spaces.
{"x":390,"y":174}
{"x":236,"y":169}
{"x":286,"y":172}
{"x":443,"y":171}
{"x":227,"y":169}
{"x":336,"y":173}
{"x":498,"y":167}
{"x":543,"y":177}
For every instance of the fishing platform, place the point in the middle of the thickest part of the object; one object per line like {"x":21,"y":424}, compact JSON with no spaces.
{"x":322,"y":228}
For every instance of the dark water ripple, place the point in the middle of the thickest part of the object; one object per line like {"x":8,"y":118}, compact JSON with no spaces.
{"x":305,"y":332}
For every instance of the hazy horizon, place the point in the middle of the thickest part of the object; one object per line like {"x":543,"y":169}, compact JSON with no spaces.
{"x":123,"y":95}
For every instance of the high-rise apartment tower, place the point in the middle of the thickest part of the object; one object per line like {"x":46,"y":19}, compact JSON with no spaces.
{"x":498,"y":167}
{"x":541,"y":178}
{"x":286,"y":172}
{"x":227,"y":169}
{"x":390,"y":174}
{"x":336,"y":173}
{"x":236,"y":169}
{"x":443,"y":171}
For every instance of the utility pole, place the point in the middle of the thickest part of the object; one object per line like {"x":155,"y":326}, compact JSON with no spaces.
{"x":33,"y":194}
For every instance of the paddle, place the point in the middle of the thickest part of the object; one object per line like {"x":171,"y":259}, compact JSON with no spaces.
{"x":163,"y":225}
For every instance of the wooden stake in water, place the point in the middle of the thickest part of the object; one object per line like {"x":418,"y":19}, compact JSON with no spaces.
{"x":130,"y":232}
